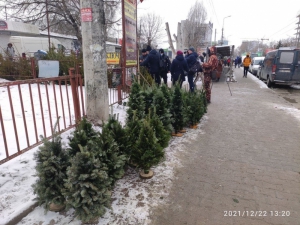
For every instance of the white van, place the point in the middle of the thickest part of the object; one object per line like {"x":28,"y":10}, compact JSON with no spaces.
{"x":253,"y":68}
{"x":30,"y":45}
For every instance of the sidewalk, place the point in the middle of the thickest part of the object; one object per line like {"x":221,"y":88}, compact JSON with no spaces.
{"x":247,"y":161}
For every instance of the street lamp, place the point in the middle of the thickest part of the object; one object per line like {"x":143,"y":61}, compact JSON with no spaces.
{"x":223,"y":29}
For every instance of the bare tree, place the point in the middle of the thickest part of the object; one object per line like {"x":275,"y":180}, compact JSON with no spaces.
{"x":150,"y":29}
{"x":194,"y":29}
{"x":64,"y":15}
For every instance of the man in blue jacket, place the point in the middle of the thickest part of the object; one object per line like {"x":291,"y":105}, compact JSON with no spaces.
{"x":153,"y":61}
{"x":191,"y":59}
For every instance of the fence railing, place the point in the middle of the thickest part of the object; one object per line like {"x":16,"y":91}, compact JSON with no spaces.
{"x":30,"y":108}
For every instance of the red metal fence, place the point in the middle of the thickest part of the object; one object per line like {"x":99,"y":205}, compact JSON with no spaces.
{"x":30,"y":108}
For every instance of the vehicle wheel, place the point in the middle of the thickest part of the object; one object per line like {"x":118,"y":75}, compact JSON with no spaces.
{"x":259,"y":76}
{"x":269,"y":83}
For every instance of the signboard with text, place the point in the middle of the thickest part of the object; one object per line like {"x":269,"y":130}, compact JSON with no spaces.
{"x":3,"y":25}
{"x":130,"y":32}
{"x":86,"y":15}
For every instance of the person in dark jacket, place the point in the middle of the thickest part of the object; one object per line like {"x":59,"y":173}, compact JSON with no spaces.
{"x":178,"y":66}
{"x":191,"y":59}
{"x":144,"y":55}
{"x":153,"y":61}
{"x":166,"y":65}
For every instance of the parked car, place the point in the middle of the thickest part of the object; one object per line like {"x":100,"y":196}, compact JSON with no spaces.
{"x":253,"y":68}
{"x":281,"y":66}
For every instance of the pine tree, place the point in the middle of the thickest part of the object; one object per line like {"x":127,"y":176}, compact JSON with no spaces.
{"x":167,"y":94}
{"x":110,"y":155}
{"x":52,"y":162}
{"x":83,"y":133}
{"x":148,"y":94}
{"x":88,"y":184}
{"x":118,"y":132}
{"x":177,"y":109}
{"x":148,"y":152}
{"x":163,"y":136}
{"x":132,"y":130}
{"x":162,"y":109}
{"x":136,"y":102}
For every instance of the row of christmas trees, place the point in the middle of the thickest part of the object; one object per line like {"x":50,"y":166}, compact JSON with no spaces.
{"x":83,"y":175}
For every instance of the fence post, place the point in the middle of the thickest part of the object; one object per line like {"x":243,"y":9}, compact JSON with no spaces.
{"x":75,"y":95}
{"x":33,"y":71}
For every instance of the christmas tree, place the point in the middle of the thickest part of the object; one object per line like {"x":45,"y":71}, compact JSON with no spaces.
{"x":88,"y":184}
{"x":177,"y":109}
{"x":148,"y":94}
{"x":167,"y":94}
{"x":148,"y":152}
{"x":83,"y":133}
{"x":162,"y":109}
{"x":52,"y":162}
{"x":162,"y":135}
{"x":132,"y":131}
{"x":110,"y":155}
{"x":192,"y":108}
{"x":136,"y":102}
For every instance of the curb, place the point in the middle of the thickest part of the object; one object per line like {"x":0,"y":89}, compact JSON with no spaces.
{"x":23,"y":214}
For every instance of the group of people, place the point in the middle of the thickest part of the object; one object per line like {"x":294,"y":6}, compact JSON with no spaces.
{"x":159,"y":65}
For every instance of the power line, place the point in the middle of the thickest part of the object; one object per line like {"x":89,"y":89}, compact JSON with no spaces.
{"x":282,"y":28}
{"x":215,"y":11}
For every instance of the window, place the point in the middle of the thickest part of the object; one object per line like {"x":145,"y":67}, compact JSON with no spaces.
{"x":286,"y":57}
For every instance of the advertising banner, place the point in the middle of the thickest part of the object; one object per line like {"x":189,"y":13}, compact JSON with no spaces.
{"x":130,"y":32}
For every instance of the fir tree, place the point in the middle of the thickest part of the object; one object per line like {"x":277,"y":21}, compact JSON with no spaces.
{"x":83,"y":133}
{"x":148,"y":152}
{"x":162,"y":109}
{"x":167,"y":94}
{"x":52,"y":162}
{"x":136,"y":102}
{"x":163,"y":136}
{"x":118,"y":132}
{"x":88,"y":184}
{"x":132,"y":130}
{"x":177,"y":109}
{"x":148,"y":94}
{"x":110,"y":155}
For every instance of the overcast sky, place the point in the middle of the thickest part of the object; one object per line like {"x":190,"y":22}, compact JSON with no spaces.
{"x":250,"y":20}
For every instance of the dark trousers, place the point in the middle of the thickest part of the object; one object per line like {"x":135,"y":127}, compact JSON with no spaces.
{"x":191,"y":81}
{"x":174,"y":81}
{"x":246,"y":70}
{"x":164,"y":75}
{"x":156,"y":77}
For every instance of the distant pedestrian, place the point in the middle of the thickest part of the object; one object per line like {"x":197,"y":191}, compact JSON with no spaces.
{"x":152,"y":60}
{"x":246,"y":62}
{"x":10,"y":51}
{"x":165,"y":65}
{"x":191,"y":59}
{"x":239,"y":61}
{"x":235,"y":62}
{"x":208,"y":68}
{"x":178,"y":66}
{"x":228,"y":61}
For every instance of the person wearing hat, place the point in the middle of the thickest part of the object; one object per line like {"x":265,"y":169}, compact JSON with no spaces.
{"x":191,"y":59}
{"x":178,"y":66}
{"x":152,"y":60}
{"x":143,"y":56}
{"x":246,"y":63}
{"x":165,"y":65}
{"x":208,"y":68}
{"x":10,"y":51}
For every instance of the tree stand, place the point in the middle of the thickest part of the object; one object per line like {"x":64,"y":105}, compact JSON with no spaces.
{"x":148,"y":175}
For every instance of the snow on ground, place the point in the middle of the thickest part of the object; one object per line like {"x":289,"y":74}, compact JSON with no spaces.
{"x":256,"y":80}
{"x":291,"y":111}
{"x":132,"y":197}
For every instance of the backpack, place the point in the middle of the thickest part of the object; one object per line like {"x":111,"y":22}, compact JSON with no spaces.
{"x":196,"y":67}
{"x":163,"y":62}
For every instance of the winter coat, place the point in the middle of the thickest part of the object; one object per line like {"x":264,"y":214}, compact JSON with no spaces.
{"x":247,"y":61}
{"x":178,"y":66}
{"x":153,"y":61}
{"x":191,"y":59}
{"x":167,"y":62}
{"x":239,"y":60}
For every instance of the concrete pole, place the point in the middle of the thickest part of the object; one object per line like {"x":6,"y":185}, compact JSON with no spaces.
{"x":94,"y":61}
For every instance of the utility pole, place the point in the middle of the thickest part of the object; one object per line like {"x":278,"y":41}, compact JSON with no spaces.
{"x":94,"y":60}
{"x":215,"y":36}
{"x":262,"y":41}
{"x":170,"y":39}
{"x":298,"y":33}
